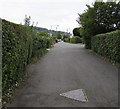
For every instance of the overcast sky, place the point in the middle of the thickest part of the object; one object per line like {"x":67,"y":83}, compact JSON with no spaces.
{"x":46,"y":12}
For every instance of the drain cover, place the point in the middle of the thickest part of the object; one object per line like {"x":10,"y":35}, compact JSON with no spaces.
{"x":78,"y":94}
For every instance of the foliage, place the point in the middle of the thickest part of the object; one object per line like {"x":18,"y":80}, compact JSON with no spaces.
{"x":38,"y":55}
{"x":107,"y":45}
{"x":40,"y":29}
{"x":43,"y":34}
{"x":102,"y":17}
{"x":17,"y":50}
{"x":27,"y":20}
{"x":40,"y":42}
{"x":0,"y":58}
{"x":66,"y":39}
{"x":76,"y":39}
{"x":59,"y":36}
{"x":76,"y":32}
{"x":54,"y":37}
{"x":20,"y":45}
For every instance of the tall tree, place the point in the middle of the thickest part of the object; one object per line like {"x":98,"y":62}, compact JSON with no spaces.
{"x":27,"y":20}
{"x":102,"y":17}
{"x":76,"y":32}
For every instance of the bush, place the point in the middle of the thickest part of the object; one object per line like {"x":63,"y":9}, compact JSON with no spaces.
{"x":76,"y":39}
{"x":67,"y":40}
{"x":20,"y":44}
{"x":107,"y":45}
{"x":40,"y":42}
{"x":76,"y":32}
{"x":17,"y":50}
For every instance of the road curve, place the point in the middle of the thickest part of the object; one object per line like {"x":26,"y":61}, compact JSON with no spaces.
{"x":64,"y":68}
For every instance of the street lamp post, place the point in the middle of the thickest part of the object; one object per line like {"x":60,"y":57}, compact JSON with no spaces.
{"x":68,"y":30}
{"x":57,"y":27}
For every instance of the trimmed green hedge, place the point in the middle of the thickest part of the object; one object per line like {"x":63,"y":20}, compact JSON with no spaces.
{"x":17,"y":51}
{"x":20,"y":45}
{"x":76,"y":39}
{"x":107,"y":45}
{"x":40,"y":42}
{"x":67,"y":40}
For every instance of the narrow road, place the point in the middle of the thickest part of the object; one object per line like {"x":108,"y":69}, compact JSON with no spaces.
{"x":64,"y":68}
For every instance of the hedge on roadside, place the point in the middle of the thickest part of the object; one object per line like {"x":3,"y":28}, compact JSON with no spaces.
{"x":107,"y":45}
{"x":40,"y":42}
{"x":75,"y":39}
{"x":20,"y":44}
{"x":67,"y":40}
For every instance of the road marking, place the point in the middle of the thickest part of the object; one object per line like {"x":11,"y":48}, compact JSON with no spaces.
{"x":78,"y":94}
{"x":48,"y":49}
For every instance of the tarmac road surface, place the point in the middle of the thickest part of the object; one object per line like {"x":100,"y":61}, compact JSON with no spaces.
{"x":64,"y":68}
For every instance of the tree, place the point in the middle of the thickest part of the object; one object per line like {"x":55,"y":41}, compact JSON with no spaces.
{"x":76,"y":32}
{"x":87,"y":22}
{"x":27,"y":20}
{"x":107,"y":15}
{"x":100,"y":18}
{"x":59,"y":36}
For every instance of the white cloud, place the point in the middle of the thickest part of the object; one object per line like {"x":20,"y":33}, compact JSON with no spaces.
{"x":46,"y":12}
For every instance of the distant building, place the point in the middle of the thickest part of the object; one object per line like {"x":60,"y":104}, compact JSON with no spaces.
{"x":67,"y":36}
{"x":50,"y":34}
